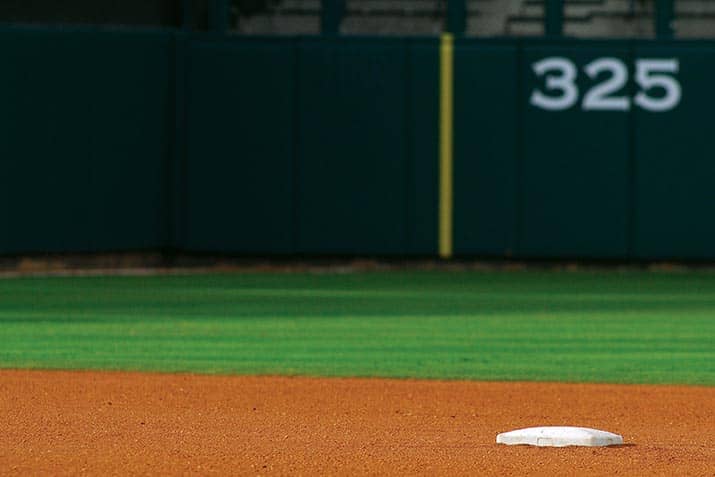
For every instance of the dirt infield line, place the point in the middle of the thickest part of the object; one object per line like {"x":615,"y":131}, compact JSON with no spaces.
{"x":106,"y":423}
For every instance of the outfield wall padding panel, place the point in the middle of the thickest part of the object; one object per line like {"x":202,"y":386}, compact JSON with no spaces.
{"x":574,"y":196}
{"x":422,"y":144}
{"x":240,"y":107}
{"x":352,"y":195}
{"x":365,"y":112}
{"x":675,"y":164}
{"x":485,"y":153}
{"x":84,"y":137}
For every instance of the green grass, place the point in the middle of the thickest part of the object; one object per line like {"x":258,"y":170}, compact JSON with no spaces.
{"x":628,"y":327}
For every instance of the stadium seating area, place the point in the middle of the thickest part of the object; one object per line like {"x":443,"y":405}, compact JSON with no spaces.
{"x":582,"y":18}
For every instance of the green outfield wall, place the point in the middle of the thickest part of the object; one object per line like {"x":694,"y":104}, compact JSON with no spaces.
{"x":119,"y":140}
{"x":85,"y":139}
{"x":312,"y":146}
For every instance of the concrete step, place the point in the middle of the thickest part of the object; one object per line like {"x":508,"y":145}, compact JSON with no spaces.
{"x":279,"y":25}
{"x":612,"y":27}
{"x":695,"y":28}
{"x":357,"y":25}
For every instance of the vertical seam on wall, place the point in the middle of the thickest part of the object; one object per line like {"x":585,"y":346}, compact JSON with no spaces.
{"x":295,"y":226}
{"x":183,"y":178}
{"x":446,"y":137}
{"x":409,"y":158}
{"x":521,"y":94}
{"x":631,"y":217}
{"x":168,"y":219}
{"x":179,"y":166}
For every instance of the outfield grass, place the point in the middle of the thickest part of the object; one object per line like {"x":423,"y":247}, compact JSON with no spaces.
{"x":629,"y":327}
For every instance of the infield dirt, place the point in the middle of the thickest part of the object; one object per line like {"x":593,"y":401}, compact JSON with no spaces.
{"x":110,"y":423}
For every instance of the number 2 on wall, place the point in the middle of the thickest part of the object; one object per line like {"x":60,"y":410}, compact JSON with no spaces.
{"x":560,"y":83}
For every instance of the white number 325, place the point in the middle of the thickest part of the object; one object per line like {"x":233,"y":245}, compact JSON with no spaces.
{"x":561,"y":91}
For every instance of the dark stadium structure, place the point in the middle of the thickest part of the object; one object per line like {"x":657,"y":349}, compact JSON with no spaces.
{"x":578,"y":18}
{"x":487,"y":129}
{"x":127,"y":13}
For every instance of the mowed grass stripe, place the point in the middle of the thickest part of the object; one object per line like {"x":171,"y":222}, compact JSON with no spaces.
{"x":556,"y":326}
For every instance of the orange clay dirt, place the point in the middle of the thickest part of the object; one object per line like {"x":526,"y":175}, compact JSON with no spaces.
{"x":107,"y":423}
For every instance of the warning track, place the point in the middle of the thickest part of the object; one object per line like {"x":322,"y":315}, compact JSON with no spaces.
{"x":107,"y":423}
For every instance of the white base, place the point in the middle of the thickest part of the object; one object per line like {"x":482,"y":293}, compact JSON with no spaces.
{"x":560,"y":436}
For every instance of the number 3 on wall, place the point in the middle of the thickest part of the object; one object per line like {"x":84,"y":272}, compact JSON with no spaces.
{"x":560,"y":83}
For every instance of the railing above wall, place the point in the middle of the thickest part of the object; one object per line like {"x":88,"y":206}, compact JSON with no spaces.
{"x":550,"y":18}
{"x":470,"y":18}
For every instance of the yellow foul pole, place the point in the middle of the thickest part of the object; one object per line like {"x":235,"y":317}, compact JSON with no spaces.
{"x":446,"y":177}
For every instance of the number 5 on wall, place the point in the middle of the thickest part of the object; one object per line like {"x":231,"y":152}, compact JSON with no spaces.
{"x":653,"y":74}
{"x":560,"y":81}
